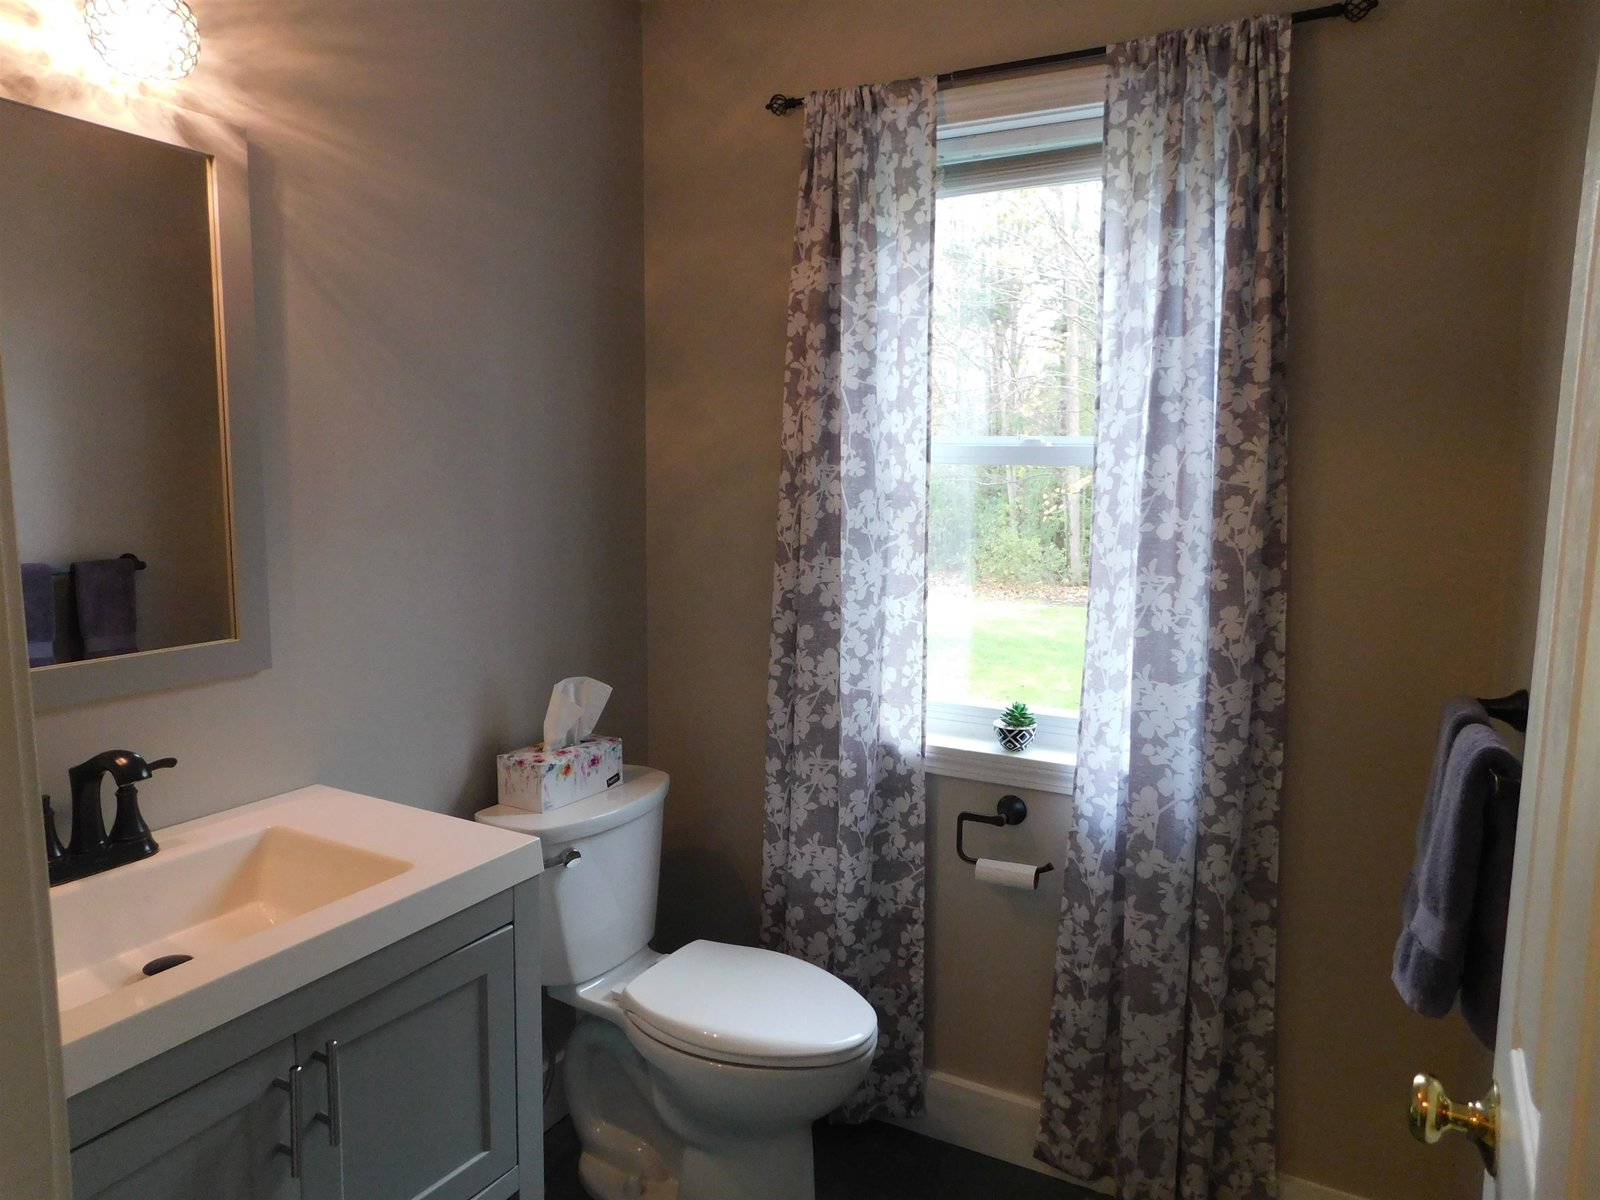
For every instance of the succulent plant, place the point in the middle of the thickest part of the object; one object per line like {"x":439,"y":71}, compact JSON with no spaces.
{"x":1017,"y":717}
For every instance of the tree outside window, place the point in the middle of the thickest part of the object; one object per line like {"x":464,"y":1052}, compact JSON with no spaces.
{"x":1015,"y":347}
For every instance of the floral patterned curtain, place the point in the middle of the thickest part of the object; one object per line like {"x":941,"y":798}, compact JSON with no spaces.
{"x":1160,"y":1068}
{"x":842,"y":865}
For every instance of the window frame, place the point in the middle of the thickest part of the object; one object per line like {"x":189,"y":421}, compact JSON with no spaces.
{"x":1016,"y":119}
{"x":960,"y":744}
{"x":959,"y":740}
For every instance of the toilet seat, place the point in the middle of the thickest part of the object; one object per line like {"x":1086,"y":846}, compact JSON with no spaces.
{"x":740,"y":1005}
{"x":728,"y":1058}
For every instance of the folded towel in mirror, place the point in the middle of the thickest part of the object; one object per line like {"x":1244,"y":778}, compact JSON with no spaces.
{"x":103,"y":591}
{"x":39,"y":612}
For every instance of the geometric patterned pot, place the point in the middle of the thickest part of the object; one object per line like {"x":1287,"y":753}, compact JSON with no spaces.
{"x":1014,"y":737}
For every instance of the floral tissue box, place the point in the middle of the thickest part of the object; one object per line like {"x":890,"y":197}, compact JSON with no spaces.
{"x":541,"y":780}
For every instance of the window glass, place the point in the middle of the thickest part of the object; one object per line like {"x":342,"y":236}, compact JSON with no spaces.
{"x":1015,"y":346}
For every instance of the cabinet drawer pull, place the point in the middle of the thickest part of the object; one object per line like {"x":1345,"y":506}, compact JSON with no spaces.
{"x":332,"y":1119}
{"x":293,"y":1149}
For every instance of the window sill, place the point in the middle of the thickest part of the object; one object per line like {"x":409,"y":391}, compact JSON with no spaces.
{"x":1035,"y":768}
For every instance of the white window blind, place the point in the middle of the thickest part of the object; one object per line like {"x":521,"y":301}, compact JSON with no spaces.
{"x":1073,"y":164}
{"x":1022,"y":132}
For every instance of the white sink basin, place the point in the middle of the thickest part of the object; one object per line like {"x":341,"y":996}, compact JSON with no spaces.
{"x":265,"y":898}
{"x":197,"y":899}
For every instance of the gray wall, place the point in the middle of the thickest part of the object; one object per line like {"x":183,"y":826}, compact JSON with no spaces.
{"x":446,"y":214}
{"x":1434,"y":162}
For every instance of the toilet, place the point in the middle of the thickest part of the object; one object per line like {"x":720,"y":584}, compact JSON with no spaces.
{"x":693,"y":1075}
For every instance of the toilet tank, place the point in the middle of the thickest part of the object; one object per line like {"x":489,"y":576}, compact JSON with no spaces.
{"x":600,"y":910}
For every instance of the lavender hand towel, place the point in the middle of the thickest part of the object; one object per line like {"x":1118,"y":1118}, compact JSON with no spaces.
{"x":39,"y":612}
{"x":104,"y":594}
{"x":1445,"y":924}
{"x":1459,"y":712}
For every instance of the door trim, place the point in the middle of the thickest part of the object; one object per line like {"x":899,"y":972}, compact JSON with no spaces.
{"x":34,"y":1152}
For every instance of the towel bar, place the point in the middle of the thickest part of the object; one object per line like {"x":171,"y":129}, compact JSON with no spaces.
{"x":1502,"y":782}
{"x":139,"y":564}
{"x":1512,"y":709}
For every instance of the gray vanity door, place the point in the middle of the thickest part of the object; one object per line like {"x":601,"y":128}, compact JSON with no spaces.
{"x":218,"y":1139}
{"x":422,"y":1075}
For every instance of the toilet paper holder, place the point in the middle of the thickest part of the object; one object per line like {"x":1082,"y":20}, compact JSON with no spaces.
{"x":1009,"y":810}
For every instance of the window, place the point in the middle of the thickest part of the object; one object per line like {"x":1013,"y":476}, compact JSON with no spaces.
{"x":1015,"y":351}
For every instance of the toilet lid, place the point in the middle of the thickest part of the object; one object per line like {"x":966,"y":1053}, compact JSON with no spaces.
{"x":741,"y":1005}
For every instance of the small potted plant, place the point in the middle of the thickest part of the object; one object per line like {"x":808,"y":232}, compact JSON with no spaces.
{"x":1015,"y":727}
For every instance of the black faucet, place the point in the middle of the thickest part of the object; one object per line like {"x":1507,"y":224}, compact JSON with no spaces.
{"x":92,"y":850}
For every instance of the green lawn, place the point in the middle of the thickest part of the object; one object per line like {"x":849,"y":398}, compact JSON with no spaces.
{"x":985,"y":651}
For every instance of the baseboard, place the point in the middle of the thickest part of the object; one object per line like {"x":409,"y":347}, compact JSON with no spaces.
{"x":1290,"y":1188}
{"x":1003,"y":1125}
{"x":988,"y":1121}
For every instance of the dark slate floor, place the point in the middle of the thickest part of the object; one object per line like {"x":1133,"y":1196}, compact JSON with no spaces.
{"x":866,"y":1162}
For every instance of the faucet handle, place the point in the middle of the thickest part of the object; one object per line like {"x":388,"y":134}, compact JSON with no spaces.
{"x":130,"y":828}
{"x":53,"y":849}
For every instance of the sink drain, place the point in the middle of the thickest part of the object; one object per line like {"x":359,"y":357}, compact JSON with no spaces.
{"x":165,"y":963}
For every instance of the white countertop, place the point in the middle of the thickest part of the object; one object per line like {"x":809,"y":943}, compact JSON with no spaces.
{"x":261,"y":896}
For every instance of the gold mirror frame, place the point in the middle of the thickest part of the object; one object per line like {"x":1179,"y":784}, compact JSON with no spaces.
{"x":249,"y":649}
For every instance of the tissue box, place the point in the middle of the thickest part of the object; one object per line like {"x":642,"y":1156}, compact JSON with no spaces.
{"x":541,"y":780}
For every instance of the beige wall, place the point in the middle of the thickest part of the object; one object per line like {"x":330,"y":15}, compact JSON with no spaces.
{"x":1433,"y":172}
{"x":446,"y":217}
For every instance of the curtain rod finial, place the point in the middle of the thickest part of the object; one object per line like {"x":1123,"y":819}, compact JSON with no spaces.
{"x":1354,"y":10}
{"x":781,"y":105}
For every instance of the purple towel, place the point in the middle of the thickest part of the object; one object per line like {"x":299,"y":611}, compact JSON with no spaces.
{"x":1459,"y":712}
{"x":1491,"y":910}
{"x":39,"y":612}
{"x":103,"y":590}
{"x":1456,"y":897}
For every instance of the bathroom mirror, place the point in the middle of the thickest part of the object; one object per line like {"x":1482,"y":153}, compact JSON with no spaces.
{"x":125,"y":322}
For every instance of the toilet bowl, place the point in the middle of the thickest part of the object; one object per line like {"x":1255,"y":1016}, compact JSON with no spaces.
{"x":694,"y":1075}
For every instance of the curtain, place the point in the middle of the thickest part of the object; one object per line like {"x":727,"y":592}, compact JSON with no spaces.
{"x":842,"y":864}
{"x":1161,"y":1058}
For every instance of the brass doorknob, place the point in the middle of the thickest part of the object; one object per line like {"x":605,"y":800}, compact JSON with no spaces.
{"x":1433,"y":1114}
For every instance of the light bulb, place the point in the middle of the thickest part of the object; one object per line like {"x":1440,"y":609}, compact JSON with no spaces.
{"x":149,"y":39}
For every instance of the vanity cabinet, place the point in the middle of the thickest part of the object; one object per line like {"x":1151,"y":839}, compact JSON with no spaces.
{"x":216,"y":1139}
{"x":414,"y":1074}
{"x":413,"y":1085}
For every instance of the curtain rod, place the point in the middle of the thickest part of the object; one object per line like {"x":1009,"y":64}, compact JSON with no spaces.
{"x":1351,"y":10}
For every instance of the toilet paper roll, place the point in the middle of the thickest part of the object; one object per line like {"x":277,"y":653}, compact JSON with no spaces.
{"x":1007,"y":874}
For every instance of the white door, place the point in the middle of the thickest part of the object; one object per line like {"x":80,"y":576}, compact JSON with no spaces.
{"x":1547,"y":1060}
